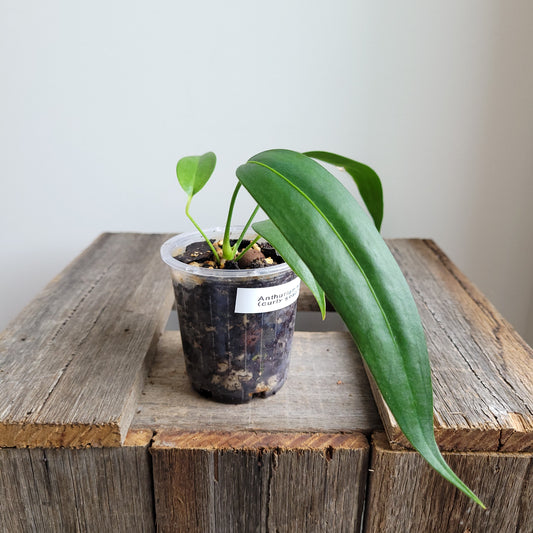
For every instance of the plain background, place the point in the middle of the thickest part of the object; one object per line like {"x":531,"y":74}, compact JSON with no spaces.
{"x":98,"y":100}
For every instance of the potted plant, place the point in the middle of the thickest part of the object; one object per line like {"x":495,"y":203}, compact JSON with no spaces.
{"x":323,"y":234}
{"x":236,"y":321}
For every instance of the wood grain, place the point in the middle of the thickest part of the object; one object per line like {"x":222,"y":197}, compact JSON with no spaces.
{"x":72,"y":367}
{"x":216,"y":482}
{"x":481,"y":368}
{"x":327,"y":390}
{"x":406,"y":495}
{"x":77,"y":490}
{"x":72,"y":364}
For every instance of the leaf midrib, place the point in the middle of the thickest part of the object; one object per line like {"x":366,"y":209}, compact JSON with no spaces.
{"x":326,"y":219}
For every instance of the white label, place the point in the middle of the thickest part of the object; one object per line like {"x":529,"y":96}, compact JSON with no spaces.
{"x":267,"y":299}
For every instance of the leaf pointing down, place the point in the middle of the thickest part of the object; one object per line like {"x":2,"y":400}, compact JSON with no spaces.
{"x":344,"y":252}
{"x":270,"y":232}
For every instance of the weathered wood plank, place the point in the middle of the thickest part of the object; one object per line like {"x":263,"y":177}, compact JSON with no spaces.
{"x":72,"y":364}
{"x":481,"y":368}
{"x":78,"y":490}
{"x":258,"y":482}
{"x":327,"y":390}
{"x":406,"y":495}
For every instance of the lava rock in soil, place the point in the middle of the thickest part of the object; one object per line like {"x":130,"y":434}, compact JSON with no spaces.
{"x":198,"y":252}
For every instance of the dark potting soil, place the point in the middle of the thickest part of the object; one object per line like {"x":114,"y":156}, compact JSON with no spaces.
{"x":232,"y":357}
{"x":263,"y":254}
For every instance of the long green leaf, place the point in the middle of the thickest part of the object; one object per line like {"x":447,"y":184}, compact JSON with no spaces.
{"x":332,"y":234}
{"x":271,"y":233}
{"x":365,"y":178}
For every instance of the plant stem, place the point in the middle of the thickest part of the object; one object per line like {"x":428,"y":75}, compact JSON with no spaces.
{"x":227,"y":251}
{"x":243,"y":233}
{"x":217,"y":259}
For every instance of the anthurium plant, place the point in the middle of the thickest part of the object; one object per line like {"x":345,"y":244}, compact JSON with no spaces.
{"x":331,"y":243}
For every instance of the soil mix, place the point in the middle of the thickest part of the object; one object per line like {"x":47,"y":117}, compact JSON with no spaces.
{"x":233,"y":357}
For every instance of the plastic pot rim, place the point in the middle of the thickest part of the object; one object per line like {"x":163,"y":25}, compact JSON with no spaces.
{"x":178,"y":243}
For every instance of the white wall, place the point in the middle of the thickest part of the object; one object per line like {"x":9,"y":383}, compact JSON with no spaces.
{"x":98,"y":100}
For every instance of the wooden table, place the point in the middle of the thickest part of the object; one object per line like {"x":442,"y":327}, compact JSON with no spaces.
{"x":100,"y":430}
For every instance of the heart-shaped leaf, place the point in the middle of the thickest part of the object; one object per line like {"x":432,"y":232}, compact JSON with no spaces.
{"x":194,"y":171}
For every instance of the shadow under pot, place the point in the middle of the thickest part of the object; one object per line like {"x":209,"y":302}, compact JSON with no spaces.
{"x":236,"y":325}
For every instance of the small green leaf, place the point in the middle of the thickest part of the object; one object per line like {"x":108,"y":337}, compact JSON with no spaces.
{"x":365,"y":178}
{"x":268,"y":231}
{"x":194,"y":171}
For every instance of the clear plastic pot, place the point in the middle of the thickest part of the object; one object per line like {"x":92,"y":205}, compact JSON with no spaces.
{"x":236,"y":341}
